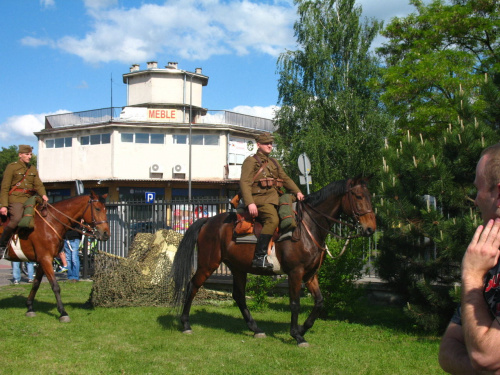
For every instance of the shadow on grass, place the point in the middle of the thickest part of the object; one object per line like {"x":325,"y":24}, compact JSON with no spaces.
{"x":19,"y":301}
{"x":226,"y":322}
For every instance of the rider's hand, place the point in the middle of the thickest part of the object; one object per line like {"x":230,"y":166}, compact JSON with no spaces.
{"x":3,"y":211}
{"x":45,"y":198}
{"x":300,"y":196}
{"x":252,"y":208}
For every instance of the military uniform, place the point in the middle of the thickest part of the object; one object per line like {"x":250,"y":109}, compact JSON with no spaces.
{"x":266,"y":198}
{"x":20,"y":181}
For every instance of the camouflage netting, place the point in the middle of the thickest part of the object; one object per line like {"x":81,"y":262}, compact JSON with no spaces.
{"x":141,"y":279}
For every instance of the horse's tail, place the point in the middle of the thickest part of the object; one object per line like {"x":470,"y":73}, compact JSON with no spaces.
{"x":183,"y":263}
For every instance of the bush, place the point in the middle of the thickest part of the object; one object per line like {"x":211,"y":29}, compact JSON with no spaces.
{"x":338,"y":275}
{"x":259,"y":288}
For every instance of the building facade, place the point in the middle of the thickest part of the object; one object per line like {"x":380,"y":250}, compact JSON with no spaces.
{"x":163,"y":142}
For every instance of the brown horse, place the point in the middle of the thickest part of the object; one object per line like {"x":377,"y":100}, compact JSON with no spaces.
{"x":45,"y":241}
{"x":299,"y":257}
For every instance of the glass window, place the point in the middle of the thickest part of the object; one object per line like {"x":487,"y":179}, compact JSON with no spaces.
{"x":68,"y":142}
{"x":212,"y":140}
{"x":106,"y":138}
{"x":128,"y":137}
{"x":157,"y":139}
{"x":59,"y":142}
{"x":49,"y":143}
{"x":180,"y":139}
{"x":85,"y":140}
{"x":141,"y":137}
{"x":197,"y":139}
{"x":95,"y":139}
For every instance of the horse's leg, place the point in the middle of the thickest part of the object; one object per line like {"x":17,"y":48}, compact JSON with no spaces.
{"x":294,"y":286}
{"x":239,"y":285}
{"x":199,"y":278}
{"x":313,"y":287}
{"x":34,"y":288}
{"x":46,"y":264}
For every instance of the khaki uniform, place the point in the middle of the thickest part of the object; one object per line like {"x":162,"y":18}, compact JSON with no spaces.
{"x":266,"y":198}
{"x":31,"y":185}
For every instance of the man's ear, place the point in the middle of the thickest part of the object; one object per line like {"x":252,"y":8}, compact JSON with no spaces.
{"x":498,"y":195}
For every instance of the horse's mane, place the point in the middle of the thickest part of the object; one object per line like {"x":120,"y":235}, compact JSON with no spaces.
{"x":333,"y":188}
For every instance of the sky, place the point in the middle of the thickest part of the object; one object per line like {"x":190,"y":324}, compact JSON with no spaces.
{"x":69,"y":55}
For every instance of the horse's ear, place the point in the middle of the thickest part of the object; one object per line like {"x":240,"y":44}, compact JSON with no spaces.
{"x":93,"y":195}
{"x":104,"y":196}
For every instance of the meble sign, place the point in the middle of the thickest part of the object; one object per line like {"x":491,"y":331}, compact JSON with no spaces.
{"x":162,"y":114}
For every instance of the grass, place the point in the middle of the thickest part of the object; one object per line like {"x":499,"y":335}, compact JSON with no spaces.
{"x":147,"y":340}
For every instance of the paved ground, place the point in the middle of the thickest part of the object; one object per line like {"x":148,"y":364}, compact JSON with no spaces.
{"x":6,"y":274}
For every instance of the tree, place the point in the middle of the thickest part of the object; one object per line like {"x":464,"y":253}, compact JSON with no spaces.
{"x":327,"y":107}
{"x":441,"y":84}
{"x":7,"y":156}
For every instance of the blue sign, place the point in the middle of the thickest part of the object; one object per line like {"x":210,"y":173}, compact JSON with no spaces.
{"x":150,"y":196}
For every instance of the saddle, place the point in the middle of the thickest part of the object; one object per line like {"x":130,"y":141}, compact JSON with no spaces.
{"x":247,"y":229}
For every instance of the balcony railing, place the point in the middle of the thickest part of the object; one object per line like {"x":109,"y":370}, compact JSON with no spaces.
{"x":104,"y":115}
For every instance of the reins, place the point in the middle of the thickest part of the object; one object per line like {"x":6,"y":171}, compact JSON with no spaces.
{"x":89,"y":230}
{"x":305,"y":207}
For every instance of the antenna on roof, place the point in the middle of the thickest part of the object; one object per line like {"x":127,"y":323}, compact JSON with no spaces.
{"x":111,"y":96}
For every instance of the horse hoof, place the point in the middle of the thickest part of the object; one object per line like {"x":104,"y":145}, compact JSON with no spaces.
{"x":30,"y":314}
{"x":188,"y":332}
{"x":304,"y":344}
{"x":65,"y":319}
{"x":260,"y":335}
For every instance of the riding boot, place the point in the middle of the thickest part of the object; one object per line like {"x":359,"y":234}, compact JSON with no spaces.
{"x":4,"y":240}
{"x":260,"y":257}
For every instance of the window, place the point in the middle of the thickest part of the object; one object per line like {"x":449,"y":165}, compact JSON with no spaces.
{"x":236,"y":159}
{"x":58,"y":142}
{"x":157,"y":139}
{"x":95,"y":139}
{"x":127,"y":137}
{"x":180,"y":139}
{"x":141,"y":137}
{"x":197,"y":139}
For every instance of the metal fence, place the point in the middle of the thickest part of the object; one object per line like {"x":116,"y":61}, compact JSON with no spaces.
{"x":126,"y":219}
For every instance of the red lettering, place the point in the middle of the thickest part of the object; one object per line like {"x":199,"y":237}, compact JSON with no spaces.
{"x":162,"y":113}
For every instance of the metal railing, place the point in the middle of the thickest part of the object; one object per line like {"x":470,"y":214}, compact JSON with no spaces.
{"x":104,"y":115}
{"x":94,"y":116}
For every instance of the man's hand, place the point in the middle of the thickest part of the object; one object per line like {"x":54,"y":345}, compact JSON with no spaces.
{"x":300,"y":196}
{"x":252,"y":208}
{"x":3,"y":211}
{"x":483,"y":251}
{"x":45,"y":198}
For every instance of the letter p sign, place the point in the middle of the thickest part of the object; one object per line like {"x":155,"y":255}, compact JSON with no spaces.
{"x":150,"y":197}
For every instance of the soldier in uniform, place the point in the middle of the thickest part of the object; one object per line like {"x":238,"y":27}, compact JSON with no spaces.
{"x":259,"y":189}
{"x":20,"y":181}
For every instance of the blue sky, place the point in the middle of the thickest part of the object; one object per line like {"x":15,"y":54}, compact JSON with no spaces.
{"x":60,"y":55}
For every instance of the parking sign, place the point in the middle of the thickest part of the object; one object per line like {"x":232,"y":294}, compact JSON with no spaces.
{"x":150,"y":196}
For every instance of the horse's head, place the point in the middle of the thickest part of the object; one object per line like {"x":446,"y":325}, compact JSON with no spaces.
{"x":95,"y":215}
{"x":358,"y":204}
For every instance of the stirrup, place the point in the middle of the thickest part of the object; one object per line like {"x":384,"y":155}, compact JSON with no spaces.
{"x":262,"y":263}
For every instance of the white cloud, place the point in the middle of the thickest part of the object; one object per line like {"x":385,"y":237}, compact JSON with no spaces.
{"x":191,"y":29}
{"x":264,"y":112}
{"x":22,"y":127}
{"x":47,"y":3}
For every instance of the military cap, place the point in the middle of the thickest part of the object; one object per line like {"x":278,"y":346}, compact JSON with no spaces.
{"x":24,"y":149}
{"x":265,"y":138}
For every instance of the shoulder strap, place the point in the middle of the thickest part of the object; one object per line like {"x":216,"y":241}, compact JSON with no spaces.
{"x":19,"y":183}
{"x":262,"y":166}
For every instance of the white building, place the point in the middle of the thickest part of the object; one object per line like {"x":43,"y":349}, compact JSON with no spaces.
{"x":145,"y":146}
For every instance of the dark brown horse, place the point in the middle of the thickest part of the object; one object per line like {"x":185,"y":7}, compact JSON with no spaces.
{"x":45,"y":241}
{"x":299,"y":257}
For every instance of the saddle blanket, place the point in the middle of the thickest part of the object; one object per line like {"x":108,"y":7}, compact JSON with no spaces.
{"x":271,"y":254}
{"x":15,"y":245}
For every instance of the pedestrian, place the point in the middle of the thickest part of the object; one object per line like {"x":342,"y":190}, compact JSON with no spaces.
{"x":71,"y":245}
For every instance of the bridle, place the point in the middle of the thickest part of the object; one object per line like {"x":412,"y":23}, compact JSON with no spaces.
{"x":356,"y":213}
{"x":89,"y":230}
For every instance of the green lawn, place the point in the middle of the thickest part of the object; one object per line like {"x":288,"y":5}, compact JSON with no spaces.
{"x":147,"y":340}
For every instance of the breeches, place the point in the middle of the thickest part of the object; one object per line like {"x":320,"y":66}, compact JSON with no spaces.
{"x":16,"y":211}
{"x":268,"y":214}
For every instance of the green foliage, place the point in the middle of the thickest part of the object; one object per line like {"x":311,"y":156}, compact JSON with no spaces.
{"x":441,"y":84}
{"x":260,"y":288}
{"x":337,"y":275}
{"x":327,"y":108}
{"x":7,"y":156}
